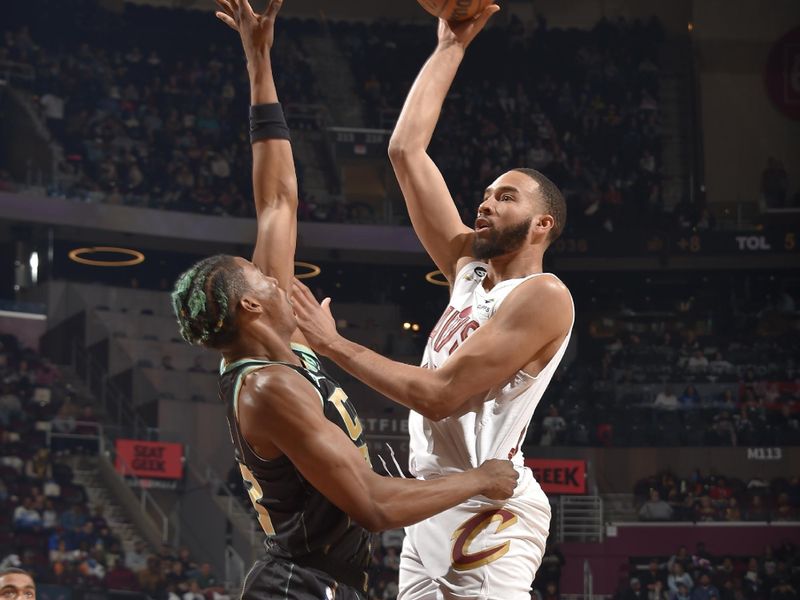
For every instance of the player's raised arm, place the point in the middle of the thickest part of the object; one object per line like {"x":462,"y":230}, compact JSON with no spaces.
{"x":274,"y":178}
{"x":526,"y":331}
{"x":279,"y":412}
{"x":430,"y":205}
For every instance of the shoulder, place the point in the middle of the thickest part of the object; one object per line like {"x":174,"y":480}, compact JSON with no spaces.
{"x":275,"y":386}
{"x":545,"y":293}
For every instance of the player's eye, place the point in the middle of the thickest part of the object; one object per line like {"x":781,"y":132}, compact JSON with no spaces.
{"x":506,"y":197}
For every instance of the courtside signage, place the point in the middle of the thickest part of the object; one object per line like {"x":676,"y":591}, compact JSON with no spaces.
{"x":559,"y":476}
{"x":149,"y":460}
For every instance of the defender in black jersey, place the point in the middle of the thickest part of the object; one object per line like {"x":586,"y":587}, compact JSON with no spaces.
{"x":298,"y":442}
{"x":304,"y":527}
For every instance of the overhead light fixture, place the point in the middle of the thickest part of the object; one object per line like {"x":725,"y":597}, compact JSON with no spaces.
{"x":134,"y":257}
{"x":34,"y":263}
{"x":437,"y":278}
{"x":313,"y":270}
{"x":406,"y":325}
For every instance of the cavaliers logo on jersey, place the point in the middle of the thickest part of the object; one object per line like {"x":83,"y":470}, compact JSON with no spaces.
{"x":461,"y":556}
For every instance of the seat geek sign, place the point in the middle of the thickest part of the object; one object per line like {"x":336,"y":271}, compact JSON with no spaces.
{"x":559,"y":476}
{"x":149,"y":460}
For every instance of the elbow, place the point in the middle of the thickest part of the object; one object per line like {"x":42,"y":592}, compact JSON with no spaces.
{"x":285,"y":198}
{"x":434,"y":402}
{"x":397,"y":151}
{"x":375,"y":519}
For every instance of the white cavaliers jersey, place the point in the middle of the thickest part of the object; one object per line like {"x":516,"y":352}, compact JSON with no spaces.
{"x":491,"y":425}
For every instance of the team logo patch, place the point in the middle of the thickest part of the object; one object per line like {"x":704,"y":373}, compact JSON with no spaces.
{"x":480,"y":272}
{"x":462,"y":558}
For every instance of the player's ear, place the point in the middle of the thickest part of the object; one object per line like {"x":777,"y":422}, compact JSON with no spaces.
{"x":543,"y":224}
{"x":250,"y":304}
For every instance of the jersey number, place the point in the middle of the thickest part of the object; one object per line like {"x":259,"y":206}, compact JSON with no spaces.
{"x":256,"y":493}
{"x":350,"y":420}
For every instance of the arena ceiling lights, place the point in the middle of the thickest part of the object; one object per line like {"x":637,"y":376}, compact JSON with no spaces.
{"x":436,"y":278}
{"x":127,"y":257}
{"x":313,"y":270}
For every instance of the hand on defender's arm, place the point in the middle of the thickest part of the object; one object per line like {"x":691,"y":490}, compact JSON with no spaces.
{"x":284,"y":414}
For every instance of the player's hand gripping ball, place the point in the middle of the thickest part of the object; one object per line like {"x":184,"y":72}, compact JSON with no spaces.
{"x":454,"y":10}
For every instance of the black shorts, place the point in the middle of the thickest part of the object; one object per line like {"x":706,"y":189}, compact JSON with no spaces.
{"x":279,"y":579}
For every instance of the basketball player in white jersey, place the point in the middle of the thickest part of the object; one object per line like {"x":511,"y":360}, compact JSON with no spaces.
{"x":488,"y":361}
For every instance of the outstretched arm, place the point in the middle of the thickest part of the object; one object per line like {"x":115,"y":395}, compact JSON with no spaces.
{"x":280,"y":413}
{"x":274,"y":178}
{"x":430,"y":205}
{"x":525,"y":332}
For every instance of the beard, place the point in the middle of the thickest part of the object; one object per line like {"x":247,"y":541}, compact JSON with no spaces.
{"x":501,"y":241}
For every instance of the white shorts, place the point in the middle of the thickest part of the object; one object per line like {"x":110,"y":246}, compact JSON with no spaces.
{"x":478,"y":550}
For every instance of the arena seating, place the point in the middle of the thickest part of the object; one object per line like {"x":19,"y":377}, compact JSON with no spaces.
{"x":162,"y":127}
{"x":661,"y":362}
{"x":698,"y":574}
{"x":47,"y":524}
{"x":584,"y":110}
{"x":717,"y":498}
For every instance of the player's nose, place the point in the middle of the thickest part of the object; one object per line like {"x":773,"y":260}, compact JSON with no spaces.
{"x":485,"y":207}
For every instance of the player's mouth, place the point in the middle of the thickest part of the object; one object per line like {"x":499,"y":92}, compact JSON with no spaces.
{"x":482,"y":224}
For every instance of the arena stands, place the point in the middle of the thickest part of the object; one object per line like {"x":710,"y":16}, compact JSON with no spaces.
{"x":47,"y":523}
{"x":162,"y":126}
{"x":584,"y":109}
{"x":699,"y":575}
{"x":665,"y":364}
{"x":708,"y":498}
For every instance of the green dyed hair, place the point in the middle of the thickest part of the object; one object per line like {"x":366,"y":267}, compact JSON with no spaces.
{"x":205,"y":301}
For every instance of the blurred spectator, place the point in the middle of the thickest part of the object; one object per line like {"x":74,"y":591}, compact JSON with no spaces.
{"x":678,"y":576}
{"x":657,"y":592}
{"x":554,"y":425}
{"x":136,"y":559}
{"x":683,"y":592}
{"x":634,"y":591}
{"x":151,"y":578}
{"x":705,"y":590}
{"x":666,"y":400}
{"x":732,"y":511}
{"x":655,"y":509}
{"x":690,"y":398}
{"x":26,"y":517}
{"x":706,"y":510}
{"x":194,"y":592}
{"x":653,"y":575}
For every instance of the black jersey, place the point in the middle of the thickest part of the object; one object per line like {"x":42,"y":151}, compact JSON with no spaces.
{"x":301,"y":524}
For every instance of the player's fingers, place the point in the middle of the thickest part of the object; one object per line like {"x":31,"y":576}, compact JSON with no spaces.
{"x":486,"y":14}
{"x":272,"y":9}
{"x":326,"y":306}
{"x":227,"y":20}
{"x":299,"y":286}
{"x":225,"y":7}
{"x":302,"y":293}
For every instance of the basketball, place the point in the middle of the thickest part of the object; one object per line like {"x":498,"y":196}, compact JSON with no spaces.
{"x":454,"y":10}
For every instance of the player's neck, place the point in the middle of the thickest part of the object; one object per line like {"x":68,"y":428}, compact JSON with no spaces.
{"x":261,"y":342}
{"x":513,"y":266}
